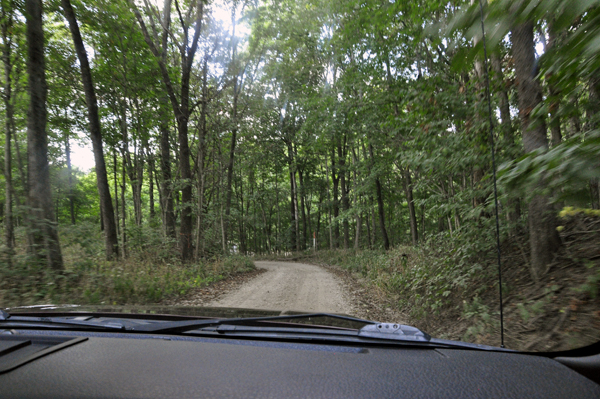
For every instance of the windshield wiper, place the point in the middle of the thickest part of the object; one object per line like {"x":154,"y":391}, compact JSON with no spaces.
{"x":12,"y":321}
{"x":188,"y":325}
{"x":271,"y":327}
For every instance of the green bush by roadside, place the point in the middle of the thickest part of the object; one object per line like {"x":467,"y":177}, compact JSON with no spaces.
{"x":151,"y":273}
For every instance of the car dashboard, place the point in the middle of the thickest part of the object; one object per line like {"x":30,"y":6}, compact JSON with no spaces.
{"x":79,"y":364}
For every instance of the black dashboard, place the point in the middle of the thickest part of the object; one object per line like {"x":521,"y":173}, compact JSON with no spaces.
{"x":76,"y":364}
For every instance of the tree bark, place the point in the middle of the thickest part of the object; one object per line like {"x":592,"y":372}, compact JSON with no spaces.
{"x":304,"y":236}
{"x":7,"y":22}
{"x":295,"y":230}
{"x":70,"y":193}
{"x":151,"y":209}
{"x":108,"y":217}
{"x":116,"y":191}
{"x":344,"y":189}
{"x":123,"y":213}
{"x":200,"y":161}
{"x":554,"y":95}
{"x":134,"y":168}
{"x":543,"y":237}
{"x":234,"y":130}
{"x":335,"y":177}
{"x":411,"y":207}
{"x":380,"y":206}
{"x":166,"y":184}
{"x":514,"y":204}
{"x":46,"y":246}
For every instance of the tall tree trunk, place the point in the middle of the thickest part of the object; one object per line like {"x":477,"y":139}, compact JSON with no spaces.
{"x":304,"y":236}
{"x":553,"y":94}
{"x":46,"y":246}
{"x":181,"y":106}
{"x":108,"y":217}
{"x":295,"y":230}
{"x":7,"y":22}
{"x":234,"y":130}
{"x":514,"y":204}
{"x":116,"y":185}
{"x":380,"y":207}
{"x":166,"y":184}
{"x":329,"y":204}
{"x":151,"y":209}
{"x":344,"y":189}
{"x":335,"y":176}
{"x":123,"y":212}
{"x":230,"y":169}
{"x":544,"y":239}
{"x":70,"y":194}
{"x":411,"y":206}
{"x":200,"y":161}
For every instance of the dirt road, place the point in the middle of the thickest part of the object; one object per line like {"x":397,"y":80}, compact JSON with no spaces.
{"x":290,"y":286}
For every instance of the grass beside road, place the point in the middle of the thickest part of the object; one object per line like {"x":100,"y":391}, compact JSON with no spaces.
{"x":151,"y":273}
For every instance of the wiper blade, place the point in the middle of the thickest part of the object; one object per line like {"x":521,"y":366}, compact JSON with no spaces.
{"x":188,"y":325}
{"x":8,"y":320}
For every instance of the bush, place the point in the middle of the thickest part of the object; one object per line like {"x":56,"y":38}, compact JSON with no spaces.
{"x":151,"y":273}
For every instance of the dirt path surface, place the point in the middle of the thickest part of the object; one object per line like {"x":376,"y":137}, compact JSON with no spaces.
{"x":290,"y":286}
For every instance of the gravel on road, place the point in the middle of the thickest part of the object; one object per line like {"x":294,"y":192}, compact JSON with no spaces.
{"x":289,"y":286}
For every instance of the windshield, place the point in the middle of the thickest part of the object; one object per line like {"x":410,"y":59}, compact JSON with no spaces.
{"x":376,"y":159}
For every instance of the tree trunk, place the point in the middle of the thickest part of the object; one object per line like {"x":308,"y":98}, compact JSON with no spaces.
{"x":336,"y":203}
{"x":234,"y":131}
{"x":328,"y":204}
{"x":380,"y":207}
{"x":110,"y":230}
{"x":181,"y":107}
{"x":295,"y":228}
{"x":166,"y":184}
{"x":123,"y":213}
{"x":151,"y":185}
{"x":116,"y":185}
{"x":554,"y":95}
{"x":200,"y":161}
{"x":70,"y":173}
{"x":7,"y":22}
{"x":514,"y":204}
{"x":304,"y":236}
{"x":344,"y":189}
{"x":46,"y":246}
{"x":544,"y":239}
{"x":411,"y":206}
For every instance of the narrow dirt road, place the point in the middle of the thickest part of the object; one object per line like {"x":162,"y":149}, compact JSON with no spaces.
{"x":290,"y":286}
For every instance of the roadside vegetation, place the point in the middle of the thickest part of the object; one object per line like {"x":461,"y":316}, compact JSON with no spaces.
{"x":448,"y":286}
{"x":151,"y":274}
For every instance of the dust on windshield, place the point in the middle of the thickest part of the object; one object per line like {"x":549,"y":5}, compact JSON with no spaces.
{"x":383,"y":160}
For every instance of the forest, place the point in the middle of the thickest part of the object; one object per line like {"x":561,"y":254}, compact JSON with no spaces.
{"x":228,"y":129}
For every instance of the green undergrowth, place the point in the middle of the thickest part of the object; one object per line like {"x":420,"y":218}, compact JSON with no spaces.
{"x":448,"y":285}
{"x":150,"y":273}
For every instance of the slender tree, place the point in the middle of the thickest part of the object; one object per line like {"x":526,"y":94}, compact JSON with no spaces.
{"x":6,"y":25}
{"x":45,"y":246}
{"x":108,"y":216}
{"x":181,"y":106}
{"x":543,"y":237}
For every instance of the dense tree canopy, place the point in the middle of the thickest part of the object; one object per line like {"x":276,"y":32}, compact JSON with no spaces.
{"x":274,"y":126}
